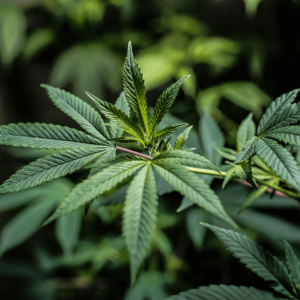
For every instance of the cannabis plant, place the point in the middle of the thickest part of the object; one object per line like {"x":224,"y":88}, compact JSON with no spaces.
{"x":285,"y":281}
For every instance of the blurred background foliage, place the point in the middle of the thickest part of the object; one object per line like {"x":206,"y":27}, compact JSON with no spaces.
{"x":241,"y":55}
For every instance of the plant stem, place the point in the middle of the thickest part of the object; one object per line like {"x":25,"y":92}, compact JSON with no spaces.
{"x":133,"y":152}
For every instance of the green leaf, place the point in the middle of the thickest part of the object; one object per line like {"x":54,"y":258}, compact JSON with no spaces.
{"x":222,"y":292}
{"x":279,"y":160}
{"x":182,"y":138}
{"x":191,"y":186}
{"x":164,"y":102}
{"x":211,"y":136}
{"x":257,"y":259}
{"x":293,"y":264}
{"x":140,"y":214}
{"x":185,"y":158}
{"x":247,"y":150}
{"x":117,"y":197}
{"x":246,"y":131}
{"x":24,"y":224}
{"x":228,"y":177}
{"x":125,"y":139}
{"x":46,"y":136}
{"x":289,"y":135}
{"x":67,"y":231}
{"x":134,"y":89}
{"x":279,"y":104}
{"x":169,"y":130}
{"x":244,"y":172}
{"x":123,"y":105}
{"x":226,"y":152}
{"x":96,"y":185}
{"x":85,"y":115}
{"x":119,"y":117}
{"x":48,"y":168}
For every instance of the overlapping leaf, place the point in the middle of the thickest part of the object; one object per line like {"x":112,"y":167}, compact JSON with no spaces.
{"x":293,"y":264}
{"x":49,"y":168}
{"x":244,"y":172}
{"x":275,"y":106}
{"x":246,"y":131}
{"x":279,"y":160}
{"x":247,"y":150}
{"x":81,"y":112}
{"x":140,"y":213}
{"x":256,"y":259}
{"x":46,"y":136}
{"x":191,"y":186}
{"x":226,"y":152}
{"x":289,"y":135}
{"x":169,"y":129}
{"x":182,"y":137}
{"x":134,"y":89}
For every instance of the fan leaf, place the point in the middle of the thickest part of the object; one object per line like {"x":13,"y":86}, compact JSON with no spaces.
{"x":246,"y":131}
{"x":293,"y":264}
{"x":247,"y":150}
{"x":182,"y":137}
{"x":226,"y":152}
{"x":170,"y":129}
{"x":289,"y":135}
{"x":81,"y":112}
{"x":140,"y":213}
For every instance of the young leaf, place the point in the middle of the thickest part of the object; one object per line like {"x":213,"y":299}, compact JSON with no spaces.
{"x":185,"y":158}
{"x":247,"y":150}
{"x":211,"y":136}
{"x":224,"y":292}
{"x":289,"y":135}
{"x":140,"y":213}
{"x":293,"y":264}
{"x":275,"y":106}
{"x":67,"y":231}
{"x":191,"y":186}
{"x":246,"y":131}
{"x":182,"y":138}
{"x":257,"y":259}
{"x":164,"y":102}
{"x":121,"y":104}
{"x":119,"y":117}
{"x":48,"y":168}
{"x":134,"y":88}
{"x":81,"y":112}
{"x":226,"y":152}
{"x":96,"y":185}
{"x":228,"y":177}
{"x":279,"y":160}
{"x":169,"y":130}
{"x":244,"y":172}
{"x":46,"y":136}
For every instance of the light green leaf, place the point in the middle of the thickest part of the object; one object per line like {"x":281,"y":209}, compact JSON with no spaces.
{"x":222,"y":292}
{"x":164,"y":102}
{"x":134,"y":89}
{"x":228,"y":177}
{"x":48,"y":168}
{"x":289,"y":135}
{"x":81,"y":112}
{"x":247,"y":150}
{"x":119,"y":117}
{"x":279,"y":160}
{"x":169,"y":130}
{"x":182,"y":138}
{"x":47,"y":136}
{"x":257,"y":259}
{"x":140,"y":214}
{"x":226,"y":152}
{"x":191,"y":186}
{"x":123,"y":105}
{"x":244,"y":172}
{"x":246,"y":131}
{"x":293,"y":264}
{"x":279,"y":104}
{"x":96,"y":185}
{"x":185,"y":158}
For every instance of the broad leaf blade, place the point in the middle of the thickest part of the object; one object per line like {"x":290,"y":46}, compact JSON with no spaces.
{"x":278,"y":104}
{"x":247,"y":150}
{"x":48,"y":168}
{"x":81,"y":112}
{"x":134,"y":88}
{"x":293,"y":264}
{"x":246,"y":131}
{"x":224,"y":292}
{"x":279,"y":160}
{"x":96,"y":185}
{"x":256,"y":259}
{"x":46,"y":136}
{"x":289,"y":135}
{"x":140,"y":213}
{"x":164,"y":103}
{"x":191,"y":186}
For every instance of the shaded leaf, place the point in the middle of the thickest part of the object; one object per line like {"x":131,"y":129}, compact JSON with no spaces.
{"x":246,"y":131}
